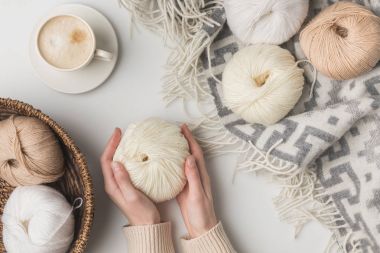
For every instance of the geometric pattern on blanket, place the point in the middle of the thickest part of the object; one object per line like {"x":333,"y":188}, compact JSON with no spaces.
{"x":336,"y":133}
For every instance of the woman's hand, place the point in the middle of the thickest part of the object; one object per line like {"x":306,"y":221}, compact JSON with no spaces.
{"x":137,"y":207}
{"x":195,"y":201}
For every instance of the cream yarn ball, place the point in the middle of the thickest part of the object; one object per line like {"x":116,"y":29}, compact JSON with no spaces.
{"x":153,"y":152}
{"x":37,"y":219}
{"x":262,"y":83}
{"x":265,"y":21}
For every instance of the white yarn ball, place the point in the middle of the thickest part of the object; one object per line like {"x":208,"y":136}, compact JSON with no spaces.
{"x":37,"y":219}
{"x":262,"y":83}
{"x":265,"y":21}
{"x":153,"y":152}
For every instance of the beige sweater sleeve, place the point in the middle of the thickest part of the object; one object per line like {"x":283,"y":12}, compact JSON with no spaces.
{"x":149,"y":238}
{"x":214,"y":241}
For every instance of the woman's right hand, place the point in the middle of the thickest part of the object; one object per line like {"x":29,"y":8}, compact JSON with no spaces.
{"x":195,"y":200}
{"x":137,"y":207}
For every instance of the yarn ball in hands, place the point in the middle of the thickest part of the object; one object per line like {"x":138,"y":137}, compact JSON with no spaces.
{"x":30,"y":153}
{"x":269,"y":21}
{"x":154,"y":152}
{"x":262,"y":83}
{"x":37,"y":219}
{"x":342,"y":41}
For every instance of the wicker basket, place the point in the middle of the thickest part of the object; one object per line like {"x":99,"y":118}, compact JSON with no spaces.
{"x":75,"y":183}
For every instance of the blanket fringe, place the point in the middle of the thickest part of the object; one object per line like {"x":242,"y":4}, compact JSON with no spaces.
{"x":174,"y":20}
{"x":349,"y":245}
{"x":181,"y":23}
{"x":183,"y":70}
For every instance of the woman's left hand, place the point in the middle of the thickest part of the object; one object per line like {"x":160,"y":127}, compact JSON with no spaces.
{"x":134,"y":204}
{"x":195,"y":200}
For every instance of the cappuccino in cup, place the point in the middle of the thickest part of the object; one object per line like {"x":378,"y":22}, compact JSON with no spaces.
{"x":67,"y":42}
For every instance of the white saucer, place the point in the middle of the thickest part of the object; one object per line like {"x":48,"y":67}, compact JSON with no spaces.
{"x":92,"y":75}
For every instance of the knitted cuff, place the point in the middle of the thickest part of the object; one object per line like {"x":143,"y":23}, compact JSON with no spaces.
{"x":149,"y":238}
{"x":214,"y":241}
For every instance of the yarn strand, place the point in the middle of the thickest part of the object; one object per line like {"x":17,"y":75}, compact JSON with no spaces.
{"x":314,"y":75}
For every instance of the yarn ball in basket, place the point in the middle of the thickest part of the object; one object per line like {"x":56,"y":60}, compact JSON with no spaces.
{"x":269,"y":21}
{"x":37,"y":219}
{"x":343,"y":41}
{"x":153,"y":152}
{"x":262,"y":83}
{"x":30,"y":153}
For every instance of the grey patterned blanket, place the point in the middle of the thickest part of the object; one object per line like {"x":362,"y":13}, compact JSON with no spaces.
{"x":325,"y":153}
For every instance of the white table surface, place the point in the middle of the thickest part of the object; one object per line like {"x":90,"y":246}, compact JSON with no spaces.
{"x":133,"y":93}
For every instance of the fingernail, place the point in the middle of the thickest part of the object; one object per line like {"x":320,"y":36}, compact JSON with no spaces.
{"x":114,"y":131}
{"x":191,"y":162}
{"x":115,"y":166}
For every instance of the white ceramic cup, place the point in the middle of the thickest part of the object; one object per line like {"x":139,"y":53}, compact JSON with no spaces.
{"x":97,"y":54}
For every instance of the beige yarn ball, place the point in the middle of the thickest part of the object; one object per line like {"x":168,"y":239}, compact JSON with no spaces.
{"x":29,"y":152}
{"x":262,"y":83}
{"x":343,"y":41}
{"x":153,"y":152}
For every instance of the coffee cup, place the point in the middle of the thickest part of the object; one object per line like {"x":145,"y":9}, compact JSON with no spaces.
{"x":68,"y":43}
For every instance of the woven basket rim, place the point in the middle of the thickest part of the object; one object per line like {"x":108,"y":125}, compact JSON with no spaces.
{"x":88,"y":192}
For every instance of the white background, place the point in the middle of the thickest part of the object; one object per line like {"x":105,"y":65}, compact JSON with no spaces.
{"x":133,"y":93}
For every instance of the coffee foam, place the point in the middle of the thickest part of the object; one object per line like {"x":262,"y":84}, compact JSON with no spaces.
{"x":65,"y":42}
